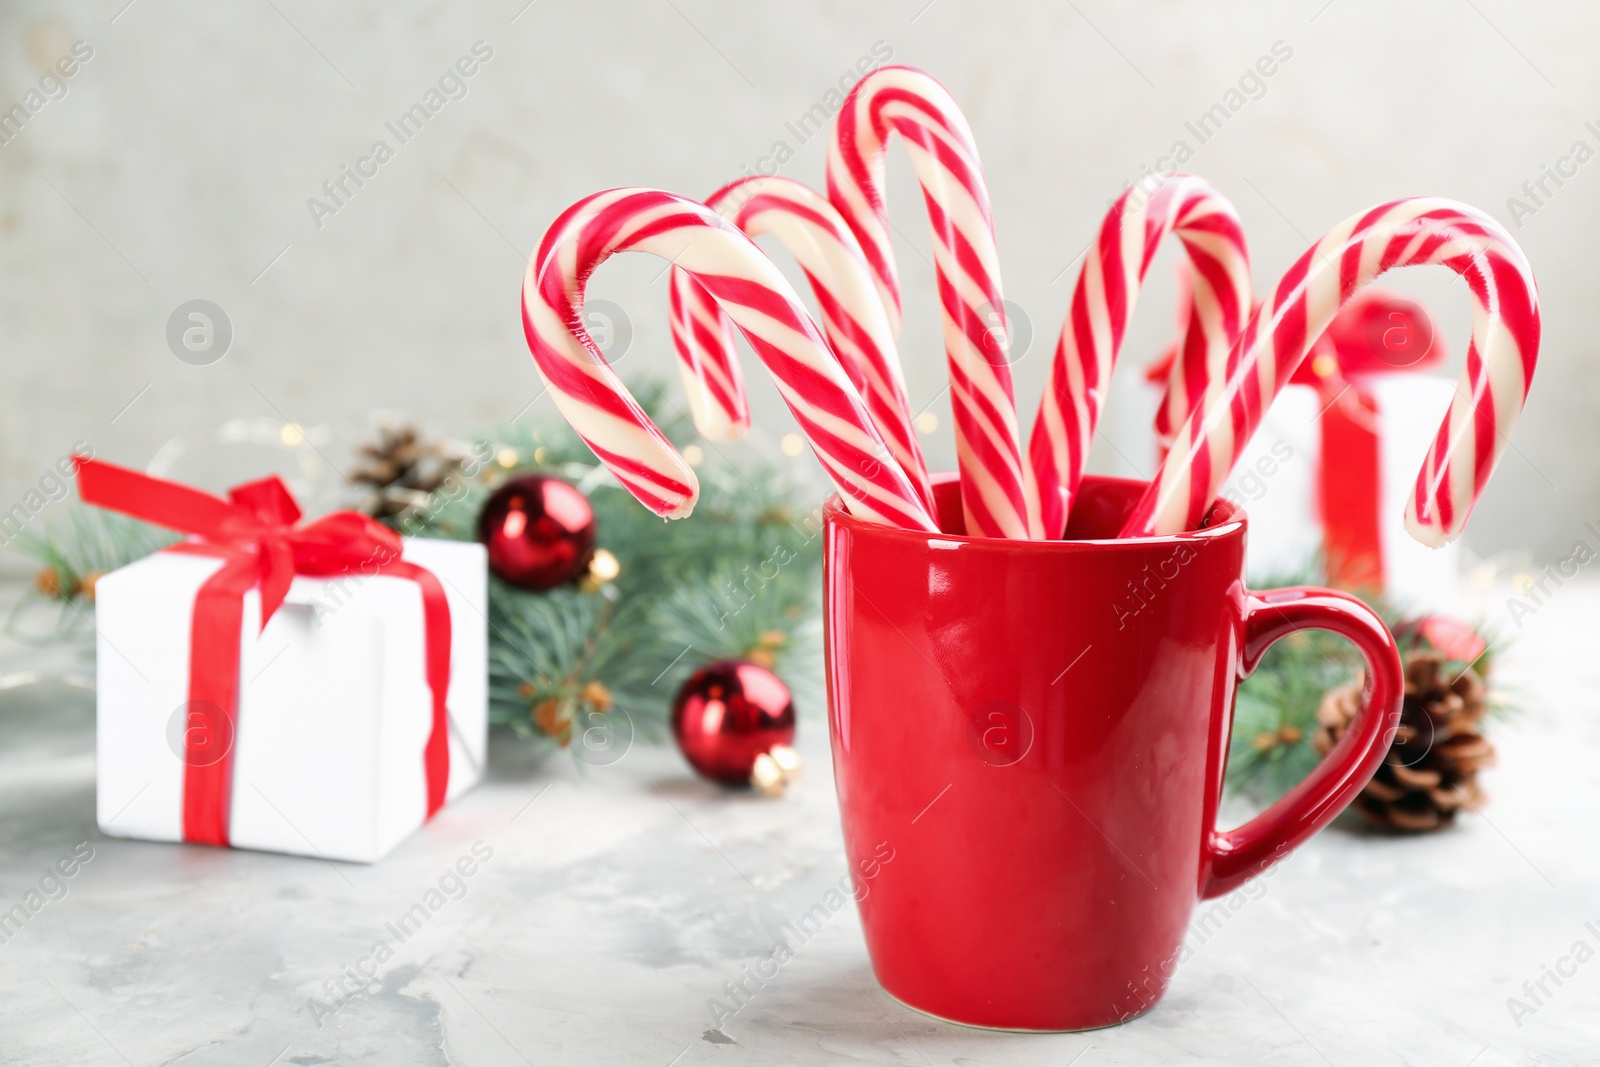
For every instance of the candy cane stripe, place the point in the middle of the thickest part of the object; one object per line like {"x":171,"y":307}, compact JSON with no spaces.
{"x":1101,"y":310}
{"x":755,"y":296}
{"x":854,"y":320}
{"x":711,"y":376}
{"x":899,"y":100}
{"x":1493,"y":388}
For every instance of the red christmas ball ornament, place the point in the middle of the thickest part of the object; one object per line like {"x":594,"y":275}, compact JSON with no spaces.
{"x":734,"y":721}
{"x":539,"y":531}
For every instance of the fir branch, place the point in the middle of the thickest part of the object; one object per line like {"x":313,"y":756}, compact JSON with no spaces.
{"x":1275,"y":713}
{"x":72,"y":551}
{"x":737,"y":579}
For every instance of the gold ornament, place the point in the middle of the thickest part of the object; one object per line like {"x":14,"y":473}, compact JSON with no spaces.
{"x":603,"y":568}
{"x":775,"y":770}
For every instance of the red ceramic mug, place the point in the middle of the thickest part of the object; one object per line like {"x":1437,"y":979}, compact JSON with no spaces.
{"x":1039,"y":730}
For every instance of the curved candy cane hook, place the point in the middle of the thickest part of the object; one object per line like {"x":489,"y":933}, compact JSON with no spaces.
{"x":1102,"y":306}
{"x":853,"y":318}
{"x":908,"y":102}
{"x":1501,"y":357}
{"x":758,"y":300}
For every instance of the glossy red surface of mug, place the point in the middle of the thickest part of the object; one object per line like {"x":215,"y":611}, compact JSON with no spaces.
{"x":1039,"y":731}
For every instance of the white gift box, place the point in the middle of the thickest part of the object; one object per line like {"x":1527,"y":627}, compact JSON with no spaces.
{"x":333,"y":706}
{"x":1277,"y":478}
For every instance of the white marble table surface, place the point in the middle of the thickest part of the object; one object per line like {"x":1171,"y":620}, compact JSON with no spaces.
{"x":618,"y":901}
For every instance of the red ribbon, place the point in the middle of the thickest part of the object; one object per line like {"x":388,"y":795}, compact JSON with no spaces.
{"x":1375,"y":333}
{"x":254,"y":531}
{"x":1349,"y":484}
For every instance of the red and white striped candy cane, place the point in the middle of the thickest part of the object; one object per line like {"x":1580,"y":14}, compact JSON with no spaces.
{"x":1494,"y":384}
{"x":1175,"y":397}
{"x":853,"y":318}
{"x":1188,"y":369}
{"x":1102,"y":306}
{"x":708,"y":363}
{"x":908,"y":102}
{"x":761,"y":303}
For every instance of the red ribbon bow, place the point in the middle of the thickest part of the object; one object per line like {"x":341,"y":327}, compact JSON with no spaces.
{"x":255,"y":532}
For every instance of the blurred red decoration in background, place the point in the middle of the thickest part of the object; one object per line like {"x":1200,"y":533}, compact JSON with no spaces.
{"x":729,"y":714}
{"x":539,"y":530}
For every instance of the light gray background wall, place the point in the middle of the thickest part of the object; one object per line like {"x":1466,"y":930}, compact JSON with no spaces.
{"x":179,"y":163}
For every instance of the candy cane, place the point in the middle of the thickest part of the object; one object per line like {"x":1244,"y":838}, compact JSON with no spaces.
{"x":760,"y":302}
{"x":707,"y":362}
{"x":1102,"y":306}
{"x":1494,"y":384}
{"x":910,"y":103}
{"x":1175,"y":397}
{"x":853,"y":317}
{"x":1192,"y":366}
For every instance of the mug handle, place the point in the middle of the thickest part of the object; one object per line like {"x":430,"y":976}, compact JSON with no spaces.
{"x":1230,"y":857}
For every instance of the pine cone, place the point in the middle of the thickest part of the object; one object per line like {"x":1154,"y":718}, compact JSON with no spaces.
{"x":402,"y":469}
{"x":1431,"y":770}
